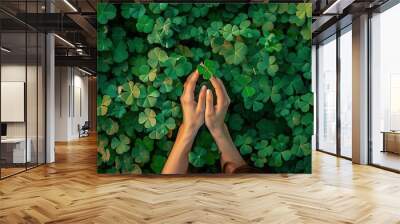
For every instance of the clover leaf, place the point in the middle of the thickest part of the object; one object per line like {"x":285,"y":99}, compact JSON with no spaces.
{"x":165,"y":83}
{"x":110,"y":126}
{"x":248,"y":91}
{"x":244,"y":142}
{"x":120,"y":52}
{"x":136,"y":45}
{"x":142,"y":149}
{"x":235,"y":55}
{"x":120,"y":144}
{"x":213,"y":30}
{"x":304,"y":10}
{"x":162,"y":33}
{"x":272,"y":67}
{"x":294,"y":119}
{"x":305,"y":102}
{"x":156,"y":56}
{"x":145,"y":24}
{"x":235,"y":122}
{"x":147,"y":75}
{"x":149,"y":97}
{"x":102,"y":105}
{"x":157,"y":163}
{"x":301,"y":146}
{"x":208,"y":69}
{"x":275,"y":160}
{"x":157,"y":8}
{"x":197,"y":157}
{"x":105,"y":12}
{"x":104,"y":43}
{"x":177,"y":66}
{"x":229,"y":32}
{"x":130,"y":92}
{"x":258,"y":161}
{"x":147,"y":118}
{"x":132,"y":10}
{"x":163,"y":127}
{"x":117,"y":110}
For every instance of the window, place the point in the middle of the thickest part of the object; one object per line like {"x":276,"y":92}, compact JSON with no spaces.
{"x":346,"y":92}
{"x":385,"y":89}
{"x":327,"y":95}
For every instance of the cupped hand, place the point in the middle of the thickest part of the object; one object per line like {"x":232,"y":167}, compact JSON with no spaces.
{"x":193,"y":112}
{"x":215,"y":114}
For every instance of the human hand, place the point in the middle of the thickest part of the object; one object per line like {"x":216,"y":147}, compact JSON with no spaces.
{"x":215,"y":114}
{"x":193,"y":112}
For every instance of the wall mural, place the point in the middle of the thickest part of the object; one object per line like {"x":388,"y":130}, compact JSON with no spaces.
{"x":204,"y":88}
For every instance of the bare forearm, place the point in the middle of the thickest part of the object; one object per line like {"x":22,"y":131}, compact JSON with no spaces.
{"x":177,"y":162}
{"x":229,"y":152}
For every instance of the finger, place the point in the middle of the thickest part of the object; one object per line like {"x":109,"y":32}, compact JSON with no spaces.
{"x":201,"y":103}
{"x":209,"y":102}
{"x":190,"y":84}
{"x":220,"y":91}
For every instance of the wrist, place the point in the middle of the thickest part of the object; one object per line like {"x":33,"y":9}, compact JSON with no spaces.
{"x":219,"y":131}
{"x":188,"y":131}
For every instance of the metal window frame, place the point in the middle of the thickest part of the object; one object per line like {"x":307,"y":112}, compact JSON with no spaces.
{"x":44,"y":75}
{"x":339,"y":32}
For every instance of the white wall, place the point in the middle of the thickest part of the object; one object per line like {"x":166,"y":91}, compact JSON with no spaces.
{"x":71,"y":102}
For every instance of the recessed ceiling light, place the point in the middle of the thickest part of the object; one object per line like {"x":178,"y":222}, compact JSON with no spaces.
{"x":5,"y":50}
{"x":70,"y":5}
{"x":64,"y":40}
{"x":84,"y":71}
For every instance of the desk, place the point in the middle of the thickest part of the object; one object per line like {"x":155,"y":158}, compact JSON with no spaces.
{"x":391,"y":141}
{"x":16,"y":147}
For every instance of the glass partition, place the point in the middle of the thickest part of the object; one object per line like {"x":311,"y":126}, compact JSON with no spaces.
{"x":346,"y":92}
{"x":385,"y":89}
{"x":327,"y":95}
{"x":13,"y":94}
{"x":22,"y":77}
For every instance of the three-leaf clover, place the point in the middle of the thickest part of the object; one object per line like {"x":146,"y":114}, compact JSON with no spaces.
{"x":131,"y":91}
{"x":145,"y":24}
{"x":147,"y":118}
{"x":120,"y":144}
{"x":229,"y":32}
{"x":156,"y":56}
{"x":149,"y":97}
{"x":197,"y":157}
{"x":207,"y":69}
{"x":235,"y":55}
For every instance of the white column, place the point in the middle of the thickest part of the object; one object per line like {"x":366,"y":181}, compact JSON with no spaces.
{"x":50,"y":100}
{"x":360,"y":90}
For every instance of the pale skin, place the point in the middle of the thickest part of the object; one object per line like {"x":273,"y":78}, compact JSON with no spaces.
{"x":197,"y":113}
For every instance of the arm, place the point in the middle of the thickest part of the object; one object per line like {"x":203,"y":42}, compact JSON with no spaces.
{"x":214,"y":119}
{"x":177,"y":162}
{"x":193,"y":119}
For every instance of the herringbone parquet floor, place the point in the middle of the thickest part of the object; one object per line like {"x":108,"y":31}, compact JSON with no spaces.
{"x":70,"y":191}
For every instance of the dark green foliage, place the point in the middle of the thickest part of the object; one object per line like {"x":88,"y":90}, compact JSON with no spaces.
{"x":261,"y":52}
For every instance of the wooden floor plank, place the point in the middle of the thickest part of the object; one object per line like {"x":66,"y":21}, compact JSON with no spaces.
{"x":70,"y":191}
